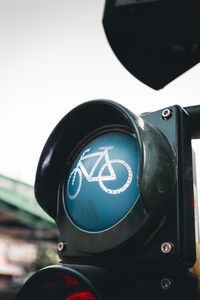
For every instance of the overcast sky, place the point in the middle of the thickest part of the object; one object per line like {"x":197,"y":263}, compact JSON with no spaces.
{"x":54,"y":55}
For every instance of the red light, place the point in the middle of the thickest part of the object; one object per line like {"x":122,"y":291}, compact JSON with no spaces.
{"x":83,"y":295}
{"x":70,"y":281}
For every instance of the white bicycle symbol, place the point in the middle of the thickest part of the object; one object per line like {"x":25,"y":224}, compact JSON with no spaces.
{"x":80,"y":169}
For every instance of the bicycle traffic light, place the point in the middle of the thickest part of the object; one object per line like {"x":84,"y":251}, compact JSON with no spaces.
{"x":155,"y":40}
{"x":120,"y":189}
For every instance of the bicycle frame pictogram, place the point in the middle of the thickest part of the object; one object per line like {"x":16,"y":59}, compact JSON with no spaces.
{"x":80,"y":169}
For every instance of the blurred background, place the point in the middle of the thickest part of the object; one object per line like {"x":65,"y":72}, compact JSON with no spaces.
{"x":54,"y":55}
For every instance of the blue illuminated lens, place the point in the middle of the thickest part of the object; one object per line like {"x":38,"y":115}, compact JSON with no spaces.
{"x":102,"y":185}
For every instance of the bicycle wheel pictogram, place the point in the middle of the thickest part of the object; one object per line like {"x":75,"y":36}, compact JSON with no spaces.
{"x":122,"y":188}
{"x":74,"y":183}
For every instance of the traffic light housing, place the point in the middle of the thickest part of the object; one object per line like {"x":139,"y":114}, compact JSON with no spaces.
{"x":159,"y":214}
{"x":81,"y":282}
{"x":155,"y":40}
{"x":120,"y":189}
{"x":78,"y":282}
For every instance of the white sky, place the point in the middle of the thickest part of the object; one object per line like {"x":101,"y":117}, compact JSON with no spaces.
{"x":53,"y":56}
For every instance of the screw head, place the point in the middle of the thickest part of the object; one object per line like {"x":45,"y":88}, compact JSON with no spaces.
{"x":166,"y":283}
{"x":166,"y":114}
{"x":61,"y":246}
{"x":167,"y":247}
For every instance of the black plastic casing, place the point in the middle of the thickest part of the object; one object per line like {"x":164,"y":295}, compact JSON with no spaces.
{"x":165,"y":183}
{"x":103,"y":284}
{"x":152,"y":48}
{"x":106,"y":284}
{"x":179,"y":226}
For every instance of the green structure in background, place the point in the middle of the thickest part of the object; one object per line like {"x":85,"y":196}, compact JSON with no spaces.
{"x":17,"y":199}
